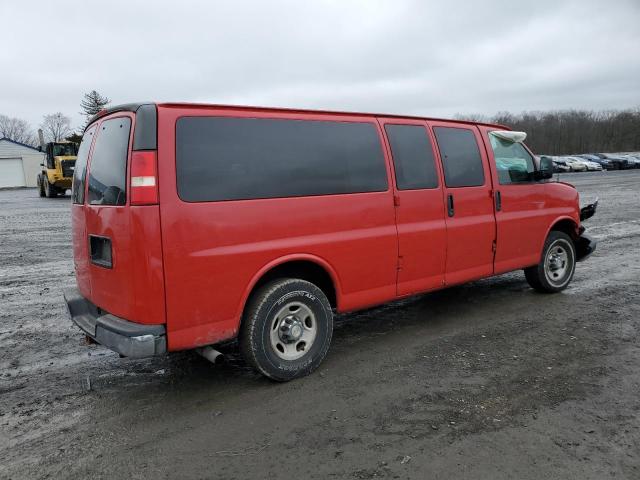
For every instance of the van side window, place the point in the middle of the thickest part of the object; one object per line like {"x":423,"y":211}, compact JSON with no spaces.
{"x":460,"y":157}
{"x":513,"y":162}
{"x":412,"y":157}
{"x":80,"y":170}
{"x":108,"y":167}
{"x":220,"y":158}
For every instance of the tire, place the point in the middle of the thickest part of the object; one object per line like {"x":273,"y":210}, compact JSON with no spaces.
{"x":286,"y":329}
{"x":40,"y":186}
{"x":50,"y":190}
{"x":557,"y":265}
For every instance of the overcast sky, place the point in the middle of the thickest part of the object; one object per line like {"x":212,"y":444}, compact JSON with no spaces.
{"x":415,"y":57}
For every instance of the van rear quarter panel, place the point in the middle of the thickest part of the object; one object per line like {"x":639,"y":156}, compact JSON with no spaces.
{"x":215,"y":251}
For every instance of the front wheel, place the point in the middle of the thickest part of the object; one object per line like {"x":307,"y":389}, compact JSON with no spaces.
{"x":41,"y":191}
{"x":286,"y":329}
{"x":557,"y":266}
{"x":50,"y":190}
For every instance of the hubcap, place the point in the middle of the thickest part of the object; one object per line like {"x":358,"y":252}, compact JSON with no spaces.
{"x":293,"y":330}
{"x":557,"y":265}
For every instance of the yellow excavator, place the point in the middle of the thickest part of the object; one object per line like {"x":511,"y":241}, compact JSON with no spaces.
{"x":57,"y":170}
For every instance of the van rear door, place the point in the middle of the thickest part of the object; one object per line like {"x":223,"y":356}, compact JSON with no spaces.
{"x":123,"y":245}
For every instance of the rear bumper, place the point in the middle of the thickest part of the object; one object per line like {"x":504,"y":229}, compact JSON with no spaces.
{"x":126,"y":338}
{"x":585,"y":246}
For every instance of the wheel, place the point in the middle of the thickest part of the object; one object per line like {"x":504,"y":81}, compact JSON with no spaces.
{"x":50,"y":190}
{"x":557,"y":266}
{"x":286,"y":329}
{"x":40,"y":186}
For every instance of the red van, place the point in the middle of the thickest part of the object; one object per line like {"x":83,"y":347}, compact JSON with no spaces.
{"x":196,"y":224}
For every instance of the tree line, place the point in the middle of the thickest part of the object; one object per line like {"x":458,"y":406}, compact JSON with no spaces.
{"x":566,"y":132}
{"x":55,"y":126}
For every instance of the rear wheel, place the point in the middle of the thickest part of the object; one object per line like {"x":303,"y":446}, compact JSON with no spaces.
{"x":557,"y":266}
{"x":286,"y":329}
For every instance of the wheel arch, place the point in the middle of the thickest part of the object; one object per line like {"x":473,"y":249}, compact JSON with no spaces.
{"x":304,"y":266}
{"x":567,"y":225}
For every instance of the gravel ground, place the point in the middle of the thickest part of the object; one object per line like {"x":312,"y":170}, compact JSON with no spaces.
{"x":486,"y":380}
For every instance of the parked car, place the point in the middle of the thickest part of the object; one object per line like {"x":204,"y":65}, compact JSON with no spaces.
{"x":197,"y":224}
{"x":634,"y":160}
{"x":591,"y":166}
{"x":617,"y":162}
{"x":595,"y":158}
{"x":575,"y":164}
{"x":559,"y":165}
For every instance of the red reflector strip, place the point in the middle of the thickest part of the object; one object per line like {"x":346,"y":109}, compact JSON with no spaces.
{"x":144,"y":175}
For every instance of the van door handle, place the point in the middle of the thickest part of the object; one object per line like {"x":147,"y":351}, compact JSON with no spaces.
{"x":498,"y":201}
{"x":450,"y":208}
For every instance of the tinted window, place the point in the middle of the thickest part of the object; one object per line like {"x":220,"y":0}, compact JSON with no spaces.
{"x":80,"y":172}
{"x":108,"y":168}
{"x":412,"y":157}
{"x":460,"y":157}
{"x":513,"y":163}
{"x":241,"y":158}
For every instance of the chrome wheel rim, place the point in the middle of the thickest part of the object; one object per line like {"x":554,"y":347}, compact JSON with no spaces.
{"x":558,"y":263}
{"x":293,"y":330}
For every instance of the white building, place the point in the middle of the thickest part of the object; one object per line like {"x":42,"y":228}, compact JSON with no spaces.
{"x":19,"y":164}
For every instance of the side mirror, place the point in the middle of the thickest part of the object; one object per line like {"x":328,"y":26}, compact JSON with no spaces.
{"x":546,"y":169}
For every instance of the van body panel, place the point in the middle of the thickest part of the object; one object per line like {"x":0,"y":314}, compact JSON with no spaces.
{"x":133,"y":288}
{"x":80,"y":249}
{"x":212,"y":250}
{"x":422,"y":231}
{"x":471,"y":230}
{"x":562,"y":203}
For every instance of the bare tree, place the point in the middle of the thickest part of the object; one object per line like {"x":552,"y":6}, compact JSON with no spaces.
{"x":17,"y":130}
{"x":56,"y":127}
{"x":92,"y":103}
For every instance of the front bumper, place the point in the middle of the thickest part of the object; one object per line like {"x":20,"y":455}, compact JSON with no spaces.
{"x":585,"y":246}
{"x":126,"y":338}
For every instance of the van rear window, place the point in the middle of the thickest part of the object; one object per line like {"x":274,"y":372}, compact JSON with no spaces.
{"x":219,"y":158}
{"x":80,"y":171}
{"x":108,"y":167}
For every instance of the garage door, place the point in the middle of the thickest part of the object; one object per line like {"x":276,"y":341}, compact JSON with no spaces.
{"x":11,"y":172}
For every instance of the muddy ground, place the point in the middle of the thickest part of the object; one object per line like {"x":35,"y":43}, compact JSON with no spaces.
{"x":488,"y":380}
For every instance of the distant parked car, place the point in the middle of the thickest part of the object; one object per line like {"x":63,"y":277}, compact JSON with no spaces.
{"x":559,"y":166}
{"x":617,"y":162}
{"x":575,"y":164}
{"x":591,"y":166}
{"x":594,"y":158}
{"x":634,"y":160}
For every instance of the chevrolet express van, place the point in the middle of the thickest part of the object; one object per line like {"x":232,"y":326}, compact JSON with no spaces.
{"x":197,"y":224}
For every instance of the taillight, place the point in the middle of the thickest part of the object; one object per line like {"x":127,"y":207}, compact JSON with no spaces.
{"x":144,"y":178}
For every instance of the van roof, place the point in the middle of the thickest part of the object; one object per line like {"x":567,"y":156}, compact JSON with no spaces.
{"x":132,"y":107}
